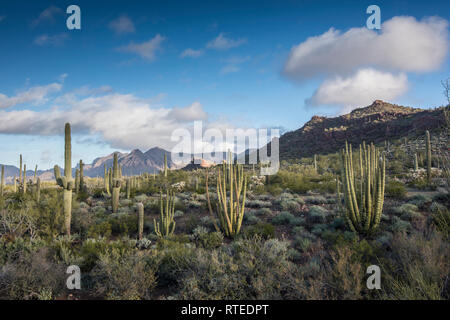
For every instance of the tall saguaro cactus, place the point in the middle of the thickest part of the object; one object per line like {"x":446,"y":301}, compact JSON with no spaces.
{"x":140,"y":207}
{"x":66,"y":181}
{"x":106,"y":181}
{"x":166,"y":225}
{"x":231,"y":193}
{"x":116,"y":184}
{"x":82,"y":186}
{"x":2,"y":183}
{"x":428,"y":147}
{"x":363,"y":206}
{"x":416,"y":163}
{"x":165,"y":165}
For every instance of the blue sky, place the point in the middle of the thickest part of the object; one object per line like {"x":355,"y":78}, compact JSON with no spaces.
{"x":127,"y":63}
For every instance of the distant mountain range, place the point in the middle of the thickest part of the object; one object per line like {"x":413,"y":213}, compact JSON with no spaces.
{"x":321,"y":135}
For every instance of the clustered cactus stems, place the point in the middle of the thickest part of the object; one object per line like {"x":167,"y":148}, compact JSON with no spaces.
{"x":363,"y":206}
{"x":116,"y":184}
{"x":66,"y":181}
{"x":231,"y":193}
{"x":140,"y":207}
{"x":166,"y":225}
{"x":428,"y":150}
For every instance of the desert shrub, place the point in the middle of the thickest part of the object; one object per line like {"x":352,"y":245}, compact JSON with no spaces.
{"x":395,"y":189}
{"x":316,"y":200}
{"x":399,"y":225}
{"x":263,"y":212}
{"x":258,"y":204}
{"x":318,"y":229}
{"x":102,"y":229}
{"x":420,"y":200}
{"x":261,"y":229}
{"x":206,"y":239}
{"x":285,"y":217}
{"x":32,"y":275}
{"x":441,"y":218}
{"x":418,"y":268}
{"x":408,"y":211}
{"x":317,"y":214}
{"x":124,"y":275}
{"x":247,"y":269}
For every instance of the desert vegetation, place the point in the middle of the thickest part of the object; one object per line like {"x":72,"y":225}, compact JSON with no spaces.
{"x":308,"y":232}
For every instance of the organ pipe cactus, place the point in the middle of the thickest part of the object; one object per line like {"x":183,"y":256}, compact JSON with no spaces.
{"x":231,"y":193}
{"x":428,"y":154}
{"x":166,"y":225}
{"x":140,"y":207}
{"x":116,"y":184}
{"x":315,"y":163}
{"x":66,"y":181}
{"x":165,"y":165}
{"x":363,"y":206}
{"x":128,"y":188}
{"x":416,"y":163}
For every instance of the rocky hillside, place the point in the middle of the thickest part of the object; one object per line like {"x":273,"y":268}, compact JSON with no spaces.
{"x":378,"y":122}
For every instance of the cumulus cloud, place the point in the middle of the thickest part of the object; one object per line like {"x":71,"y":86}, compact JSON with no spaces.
{"x":146,"y":50}
{"x":35,"y":95}
{"x":122,"y":25}
{"x":122,"y":120}
{"x":47,"y":15}
{"x":403,"y":44}
{"x":191,"y":53}
{"x":52,"y":40}
{"x":221,"y":42}
{"x":358,"y":90}
{"x":190,"y":113}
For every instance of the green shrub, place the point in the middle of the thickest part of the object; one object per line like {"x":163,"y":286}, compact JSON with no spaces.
{"x":395,"y":189}
{"x":261,"y":229}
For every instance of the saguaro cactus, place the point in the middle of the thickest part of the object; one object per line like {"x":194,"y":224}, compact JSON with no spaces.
{"x":116,"y":184}
{"x":38,"y":190}
{"x":77,"y":180}
{"x":35,"y":174}
{"x":66,"y":181}
{"x":106,"y":181}
{"x":20,"y":169}
{"x":140,"y":207}
{"x":416,"y":163}
{"x":166,"y":225}
{"x":230,"y":208}
{"x":82,"y":186}
{"x":165,"y":165}
{"x":428,"y":147}
{"x":128,"y":188}
{"x":2,"y":184}
{"x":24,"y":180}
{"x":364,"y":206}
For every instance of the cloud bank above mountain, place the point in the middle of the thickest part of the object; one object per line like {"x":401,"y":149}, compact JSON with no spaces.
{"x":362,"y":61}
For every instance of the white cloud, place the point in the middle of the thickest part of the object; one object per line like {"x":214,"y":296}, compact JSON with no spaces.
{"x":358,"y":90}
{"x":223,"y":43}
{"x":191,"y":53}
{"x":53,"y":40}
{"x":122,"y":120}
{"x":47,"y":15}
{"x":35,"y":95}
{"x":403,"y":44}
{"x":146,"y":50}
{"x":190,"y":113}
{"x":122,"y":25}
